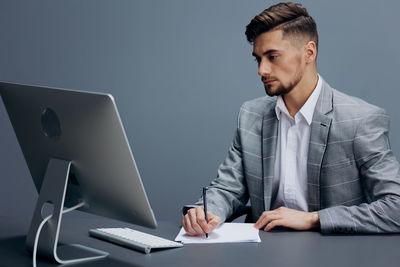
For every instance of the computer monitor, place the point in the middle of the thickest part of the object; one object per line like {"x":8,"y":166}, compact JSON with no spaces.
{"x":78,"y":155}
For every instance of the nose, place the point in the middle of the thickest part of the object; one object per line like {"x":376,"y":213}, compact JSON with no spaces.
{"x":264,"y":69}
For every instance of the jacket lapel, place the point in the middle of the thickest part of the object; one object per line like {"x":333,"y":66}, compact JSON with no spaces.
{"x":269,"y":140}
{"x":320,"y":126}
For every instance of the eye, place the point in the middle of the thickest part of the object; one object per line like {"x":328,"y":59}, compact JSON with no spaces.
{"x":257,"y":59}
{"x":272,"y":57}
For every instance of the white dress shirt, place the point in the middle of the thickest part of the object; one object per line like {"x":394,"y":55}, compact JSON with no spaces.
{"x":289,"y":186}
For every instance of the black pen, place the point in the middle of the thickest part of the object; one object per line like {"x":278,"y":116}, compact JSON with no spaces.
{"x":205,"y":204}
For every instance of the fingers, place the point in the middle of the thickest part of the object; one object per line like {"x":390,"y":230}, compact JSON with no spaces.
{"x":213,"y":222}
{"x":187,"y":225}
{"x":282,"y":216}
{"x":265,"y":218}
{"x":273,"y":224}
{"x":194,"y":222}
{"x":201,"y":220}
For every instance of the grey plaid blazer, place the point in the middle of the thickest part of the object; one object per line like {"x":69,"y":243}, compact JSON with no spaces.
{"x":353,"y":176}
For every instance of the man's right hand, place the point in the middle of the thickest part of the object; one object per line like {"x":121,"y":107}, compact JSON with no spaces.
{"x":194,"y":221}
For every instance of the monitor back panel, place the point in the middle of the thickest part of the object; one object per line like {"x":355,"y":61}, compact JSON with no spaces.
{"x":84,"y":128}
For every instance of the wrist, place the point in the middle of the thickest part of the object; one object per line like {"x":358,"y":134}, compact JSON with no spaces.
{"x":314,"y":219}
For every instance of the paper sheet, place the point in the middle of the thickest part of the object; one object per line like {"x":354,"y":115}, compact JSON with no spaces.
{"x":225,"y":233}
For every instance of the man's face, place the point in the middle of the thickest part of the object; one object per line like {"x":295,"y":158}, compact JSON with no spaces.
{"x":281,"y":63}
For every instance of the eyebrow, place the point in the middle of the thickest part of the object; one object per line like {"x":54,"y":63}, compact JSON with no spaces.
{"x":265,"y":53}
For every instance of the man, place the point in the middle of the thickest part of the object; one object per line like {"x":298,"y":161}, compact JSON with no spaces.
{"x":310,"y":158}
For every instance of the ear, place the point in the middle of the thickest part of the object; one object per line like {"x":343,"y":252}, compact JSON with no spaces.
{"x":310,"y":52}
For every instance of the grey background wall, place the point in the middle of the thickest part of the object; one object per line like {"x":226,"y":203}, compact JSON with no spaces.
{"x":179,"y":71}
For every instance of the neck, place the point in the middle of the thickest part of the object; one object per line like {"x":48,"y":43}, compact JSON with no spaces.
{"x":296,"y":98}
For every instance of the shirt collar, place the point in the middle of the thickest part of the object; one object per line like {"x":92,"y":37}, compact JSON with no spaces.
{"x":280,"y":107}
{"x":307,"y":110}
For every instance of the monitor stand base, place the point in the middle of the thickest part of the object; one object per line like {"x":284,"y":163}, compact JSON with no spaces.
{"x":53,"y":191}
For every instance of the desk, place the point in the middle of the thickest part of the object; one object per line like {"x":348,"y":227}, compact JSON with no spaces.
{"x":279,"y":248}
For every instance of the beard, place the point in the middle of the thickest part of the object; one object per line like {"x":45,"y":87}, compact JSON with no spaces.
{"x":282,"y":89}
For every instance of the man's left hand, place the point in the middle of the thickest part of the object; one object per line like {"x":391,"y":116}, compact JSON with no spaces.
{"x":295,"y":219}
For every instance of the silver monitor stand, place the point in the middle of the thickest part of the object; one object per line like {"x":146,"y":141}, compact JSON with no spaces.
{"x":53,"y":191}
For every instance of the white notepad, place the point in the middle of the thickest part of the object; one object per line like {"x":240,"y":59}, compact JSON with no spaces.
{"x":225,"y":233}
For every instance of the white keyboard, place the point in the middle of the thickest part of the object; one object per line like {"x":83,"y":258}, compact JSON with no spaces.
{"x":133,"y":239}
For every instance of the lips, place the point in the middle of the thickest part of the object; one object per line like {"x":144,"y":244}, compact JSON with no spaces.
{"x":268,"y":81}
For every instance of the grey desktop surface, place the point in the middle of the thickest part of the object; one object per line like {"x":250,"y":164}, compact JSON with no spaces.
{"x":279,"y":248}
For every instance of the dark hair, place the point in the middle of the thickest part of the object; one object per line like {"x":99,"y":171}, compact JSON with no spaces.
{"x":291,"y":18}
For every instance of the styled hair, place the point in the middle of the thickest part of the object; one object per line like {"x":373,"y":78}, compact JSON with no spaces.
{"x":292,"y":18}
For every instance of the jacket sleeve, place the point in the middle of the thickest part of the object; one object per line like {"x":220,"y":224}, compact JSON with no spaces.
{"x":380,"y":178}
{"x":228,"y":191}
